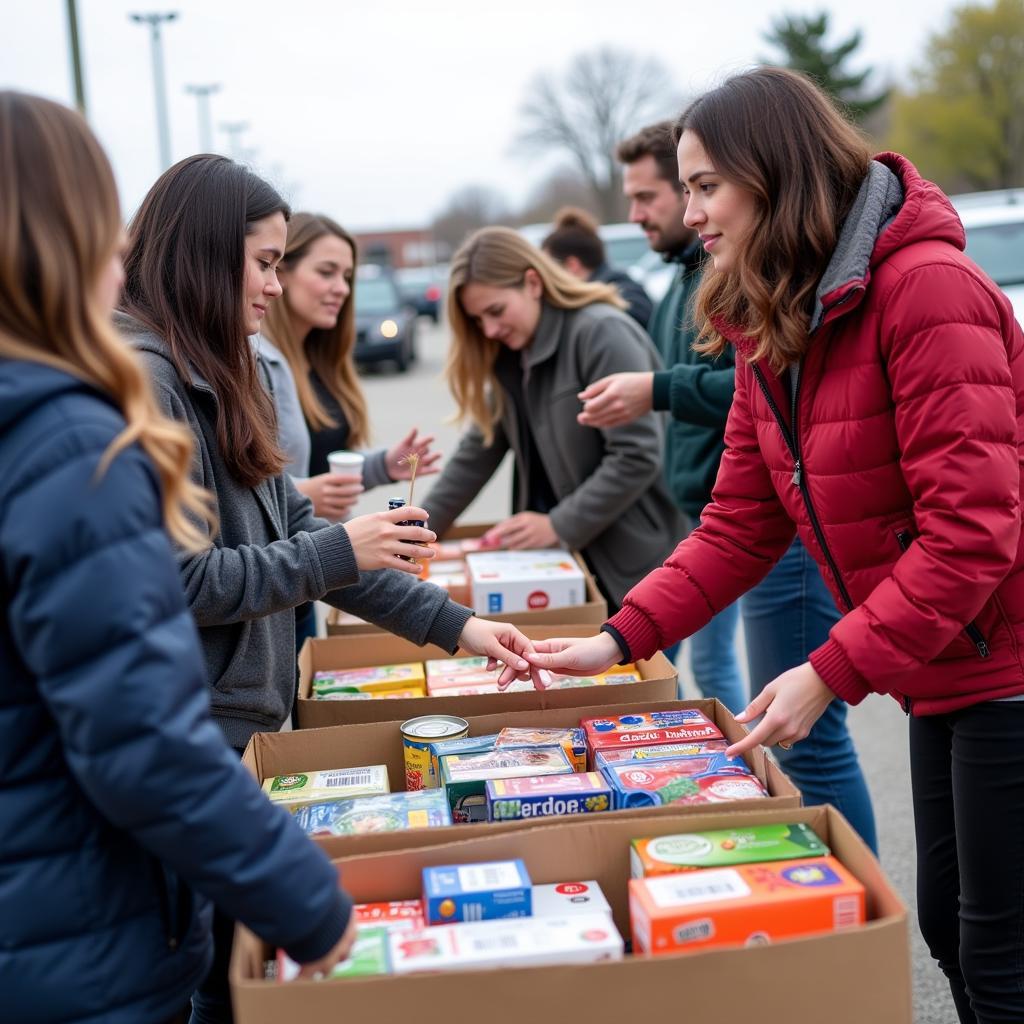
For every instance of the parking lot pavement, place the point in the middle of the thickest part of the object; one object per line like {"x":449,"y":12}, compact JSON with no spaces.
{"x":420,"y":398}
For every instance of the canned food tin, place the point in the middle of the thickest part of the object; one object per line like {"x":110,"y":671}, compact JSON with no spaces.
{"x":417,"y":735}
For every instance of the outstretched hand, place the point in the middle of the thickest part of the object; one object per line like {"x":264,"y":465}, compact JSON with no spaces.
{"x":576,"y":656}
{"x":397,"y":458}
{"x":503,"y":645}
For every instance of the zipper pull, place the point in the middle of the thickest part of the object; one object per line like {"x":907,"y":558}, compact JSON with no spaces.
{"x":983,"y":648}
{"x":798,"y":474}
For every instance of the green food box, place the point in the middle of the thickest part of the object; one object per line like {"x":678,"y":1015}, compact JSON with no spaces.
{"x":369,"y":956}
{"x":667,"y":855}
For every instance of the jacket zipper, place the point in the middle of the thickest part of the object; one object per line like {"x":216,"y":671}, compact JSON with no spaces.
{"x":800,"y":475}
{"x":975,"y":635}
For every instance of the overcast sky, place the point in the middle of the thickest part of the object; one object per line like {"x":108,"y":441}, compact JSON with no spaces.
{"x":375,"y":111}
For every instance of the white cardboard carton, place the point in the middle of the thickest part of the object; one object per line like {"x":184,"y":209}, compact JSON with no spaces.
{"x":521,"y":581}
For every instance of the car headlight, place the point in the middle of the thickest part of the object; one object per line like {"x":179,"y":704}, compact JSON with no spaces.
{"x":388,"y":329}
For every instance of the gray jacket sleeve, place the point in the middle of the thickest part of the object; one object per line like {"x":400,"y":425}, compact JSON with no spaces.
{"x":633,"y":452}
{"x":375,"y":468}
{"x":394,"y":600}
{"x":464,"y":476}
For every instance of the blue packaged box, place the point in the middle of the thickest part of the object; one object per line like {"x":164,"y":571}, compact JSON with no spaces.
{"x":544,"y":796}
{"x":465,"y":745}
{"x":706,"y":778}
{"x":477,"y":892}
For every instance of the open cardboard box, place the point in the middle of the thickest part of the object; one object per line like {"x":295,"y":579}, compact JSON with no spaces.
{"x":658,"y":682}
{"x":593,"y":612}
{"x":352,"y":746}
{"x":846,"y":977}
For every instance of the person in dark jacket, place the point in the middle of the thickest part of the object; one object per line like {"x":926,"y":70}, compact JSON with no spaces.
{"x":122,"y":810}
{"x":574,"y":242}
{"x":879,"y":412}
{"x":200,"y":271}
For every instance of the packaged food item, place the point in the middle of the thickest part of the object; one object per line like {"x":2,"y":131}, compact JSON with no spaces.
{"x":560,"y":682}
{"x":623,"y":674}
{"x":572,"y":742}
{"x":465,"y":745}
{"x":398,"y":914}
{"x":373,"y":679}
{"x":707,"y":778}
{"x":476,"y":892}
{"x":426,"y":808}
{"x":749,"y":904}
{"x":438,"y":685}
{"x":302,"y":788}
{"x":455,"y":666}
{"x":474,"y":690}
{"x":545,"y":796}
{"x":521,"y":942}
{"x":648,"y":728}
{"x":659,"y":752}
{"x":346,"y":694}
{"x":521,"y":581}
{"x":464,"y":776}
{"x":370,"y":956}
{"x":417,"y":735}
{"x":562,"y":899}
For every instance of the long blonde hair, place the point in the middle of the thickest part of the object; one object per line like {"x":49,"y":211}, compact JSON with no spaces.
{"x":327,"y":352}
{"x":60,"y":223}
{"x":500,"y":258}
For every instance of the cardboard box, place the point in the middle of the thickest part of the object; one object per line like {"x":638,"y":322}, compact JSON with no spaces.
{"x":476,"y":892}
{"x":562,"y":899}
{"x":302,"y":788}
{"x":592,"y":612}
{"x":846,"y":977}
{"x":658,"y":683}
{"x":524,"y":581}
{"x":278,"y":753}
{"x":703,"y":778}
{"x":541,"y":797}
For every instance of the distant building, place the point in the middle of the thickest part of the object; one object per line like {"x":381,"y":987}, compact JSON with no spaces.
{"x":398,"y":249}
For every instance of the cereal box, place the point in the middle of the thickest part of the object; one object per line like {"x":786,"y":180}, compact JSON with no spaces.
{"x":370,"y":955}
{"x":410,"y":693}
{"x":545,"y":796}
{"x":425,"y":808}
{"x":301,"y":788}
{"x":401,"y":914}
{"x":455,"y":666}
{"x":743,"y":905}
{"x":521,"y":942}
{"x":375,"y":679}
{"x":667,"y":855}
{"x":572,"y":742}
{"x":660,"y":751}
{"x":645,"y":729}
{"x":565,"y":898}
{"x":708,"y":778}
{"x":464,"y":776}
{"x":463,"y":745}
{"x":522,"y":581}
{"x":476,"y":892}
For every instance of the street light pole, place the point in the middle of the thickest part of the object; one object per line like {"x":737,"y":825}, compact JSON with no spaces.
{"x":154,"y":21}
{"x":233,"y":130}
{"x":76,"y":56}
{"x":202,"y":94}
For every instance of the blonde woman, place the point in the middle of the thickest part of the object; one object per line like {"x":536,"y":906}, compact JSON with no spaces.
{"x":312,"y":328}
{"x":122,"y":810}
{"x":527,"y":337}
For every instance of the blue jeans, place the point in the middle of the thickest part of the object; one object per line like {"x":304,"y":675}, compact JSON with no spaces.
{"x":786,"y":617}
{"x":713,"y":661}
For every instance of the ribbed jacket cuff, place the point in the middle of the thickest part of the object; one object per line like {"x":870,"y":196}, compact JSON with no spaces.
{"x":327,"y":934}
{"x":618,"y":638}
{"x":448,"y":625}
{"x":662,"y":392}
{"x":637,"y":630}
{"x":832,"y":664}
{"x":337,"y":557}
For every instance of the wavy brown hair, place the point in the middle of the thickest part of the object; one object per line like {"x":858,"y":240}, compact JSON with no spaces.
{"x":327,"y":352}
{"x":776,"y":134}
{"x":500,"y":257}
{"x":184,"y":280}
{"x":60,"y":225}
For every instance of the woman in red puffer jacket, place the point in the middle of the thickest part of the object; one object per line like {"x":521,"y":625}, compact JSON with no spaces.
{"x":878,"y":413}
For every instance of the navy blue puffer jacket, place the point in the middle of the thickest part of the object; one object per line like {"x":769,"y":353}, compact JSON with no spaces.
{"x":119,"y":801}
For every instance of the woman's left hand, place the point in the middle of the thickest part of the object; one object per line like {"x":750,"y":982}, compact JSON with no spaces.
{"x":525,"y":530}
{"x":502,"y":644}
{"x":791,"y":704}
{"x":397,"y":457}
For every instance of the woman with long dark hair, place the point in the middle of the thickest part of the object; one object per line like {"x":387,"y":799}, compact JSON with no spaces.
{"x":122,"y":810}
{"x":878,"y":413}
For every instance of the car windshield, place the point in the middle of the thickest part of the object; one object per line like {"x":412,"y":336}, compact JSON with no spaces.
{"x":999,"y":250}
{"x":624,"y":252}
{"x":376,"y":296}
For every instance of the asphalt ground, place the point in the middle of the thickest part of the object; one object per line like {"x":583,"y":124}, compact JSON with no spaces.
{"x":420,"y":398}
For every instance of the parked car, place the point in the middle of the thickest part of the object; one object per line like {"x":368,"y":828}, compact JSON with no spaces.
{"x":994,"y":224}
{"x":424,"y":288}
{"x":624,"y":243}
{"x":385,"y":322}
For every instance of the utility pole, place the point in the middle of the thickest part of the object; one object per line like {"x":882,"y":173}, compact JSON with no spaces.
{"x":233,"y":130}
{"x":154,"y":21}
{"x":76,"y":57}
{"x":202,"y":94}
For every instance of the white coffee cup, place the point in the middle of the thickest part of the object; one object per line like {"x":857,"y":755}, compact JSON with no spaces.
{"x":346,"y":463}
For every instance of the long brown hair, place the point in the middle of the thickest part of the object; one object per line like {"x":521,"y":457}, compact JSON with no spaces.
{"x":184,"y":274}
{"x":500,"y":257}
{"x":777,"y":135}
{"x":327,"y":352}
{"x":60,"y":224}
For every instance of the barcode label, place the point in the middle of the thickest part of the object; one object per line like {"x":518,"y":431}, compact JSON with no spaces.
{"x":698,"y":887}
{"x":348,"y":779}
{"x":494,"y":943}
{"x":486,"y":877}
{"x":846,"y":911}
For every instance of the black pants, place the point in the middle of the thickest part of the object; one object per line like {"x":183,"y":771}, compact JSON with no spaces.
{"x":967,"y":769}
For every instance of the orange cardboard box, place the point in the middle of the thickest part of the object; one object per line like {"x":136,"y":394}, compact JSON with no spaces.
{"x":744,"y":905}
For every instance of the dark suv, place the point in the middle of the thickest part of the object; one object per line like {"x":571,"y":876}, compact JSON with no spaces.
{"x":385,"y":322}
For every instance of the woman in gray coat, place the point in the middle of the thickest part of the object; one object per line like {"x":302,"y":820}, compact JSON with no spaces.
{"x":526,"y":339}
